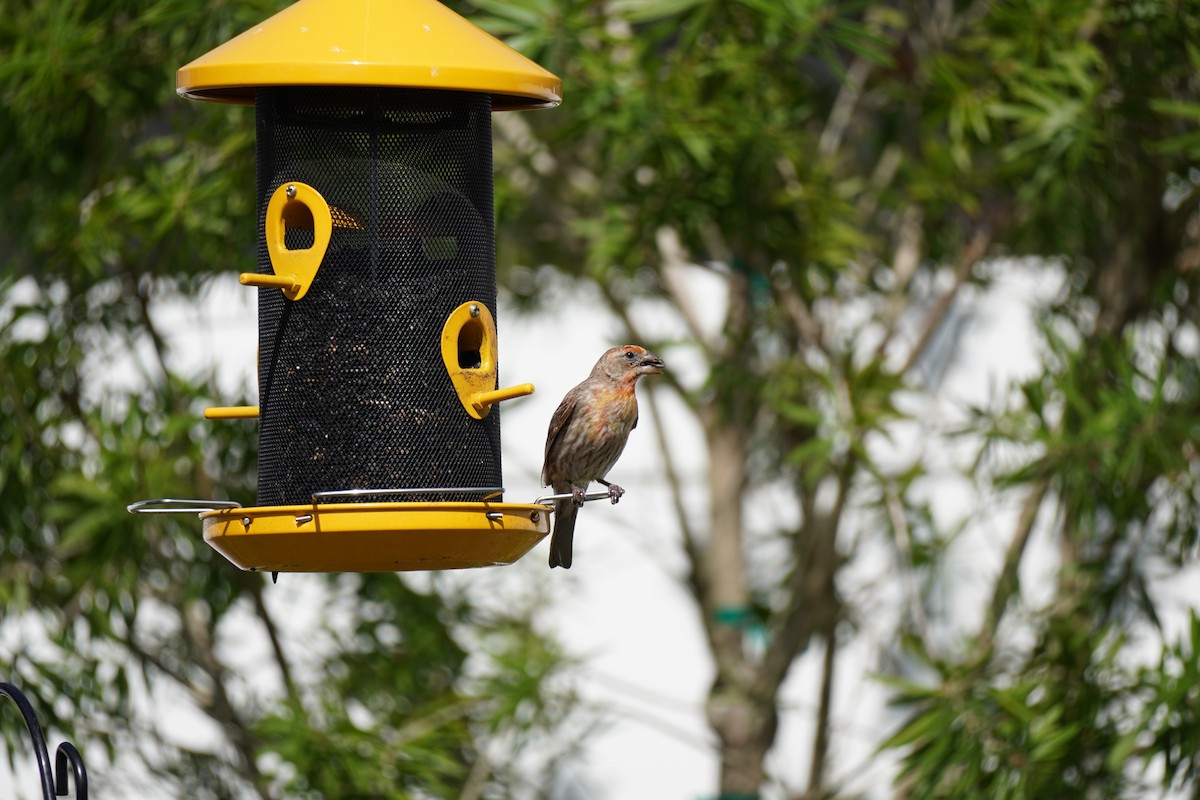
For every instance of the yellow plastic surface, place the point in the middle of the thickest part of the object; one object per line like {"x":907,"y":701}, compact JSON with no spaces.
{"x":483,"y":401}
{"x":231,"y":412}
{"x":294,"y":205}
{"x":288,"y":283}
{"x":401,"y":43}
{"x":469,"y":352}
{"x":375,"y":537}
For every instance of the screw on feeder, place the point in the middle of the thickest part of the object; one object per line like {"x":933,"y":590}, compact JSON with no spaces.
{"x":474,"y":310}
{"x":291,"y":192}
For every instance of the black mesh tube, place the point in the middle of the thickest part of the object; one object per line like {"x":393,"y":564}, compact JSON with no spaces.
{"x":353,"y":393}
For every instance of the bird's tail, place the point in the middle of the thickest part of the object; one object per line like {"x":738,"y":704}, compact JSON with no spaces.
{"x":564,"y":533}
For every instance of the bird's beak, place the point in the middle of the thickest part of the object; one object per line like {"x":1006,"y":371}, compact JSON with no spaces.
{"x":652,"y":364}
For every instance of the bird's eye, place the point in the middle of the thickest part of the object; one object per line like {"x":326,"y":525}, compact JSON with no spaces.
{"x":629,"y":355}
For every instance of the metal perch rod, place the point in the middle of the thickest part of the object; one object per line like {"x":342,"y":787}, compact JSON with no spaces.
{"x":176,"y":505}
{"x":587,"y":498}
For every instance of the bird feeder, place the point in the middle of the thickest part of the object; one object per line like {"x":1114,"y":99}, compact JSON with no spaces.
{"x":379,"y":432}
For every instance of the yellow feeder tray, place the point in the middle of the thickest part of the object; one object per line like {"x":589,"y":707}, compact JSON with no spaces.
{"x":367,"y":537}
{"x":375,"y":537}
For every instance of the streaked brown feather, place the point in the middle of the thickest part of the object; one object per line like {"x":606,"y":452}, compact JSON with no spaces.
{"x":587,"y":435}
{"x":558,"y":423}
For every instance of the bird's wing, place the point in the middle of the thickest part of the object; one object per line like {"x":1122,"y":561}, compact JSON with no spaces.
{"x":558,"y":424}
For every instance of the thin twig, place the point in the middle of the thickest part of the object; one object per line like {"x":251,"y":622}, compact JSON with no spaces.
{"x":156,"y":338}
{"x":221,"y":708}
{"x":477,"y":777}
{"x":1006,"y":583}
{"x":881,"y":178}
{"x":820,"y":753}
{"x":895,"y":510}
{"x":418,"y":728}
{"x":150,"y":659}
{"x":691,"y":545}
{"x":621,"y":311}
{"x":809,"y":608}
{"x":802,"y":318}
{"x":630,"y":713}
{"x":674,"y":260}
{"x":843,"y":108}
{"x":253,"y":582}
{"x":971,"y":254}
{"x":905,"y":261}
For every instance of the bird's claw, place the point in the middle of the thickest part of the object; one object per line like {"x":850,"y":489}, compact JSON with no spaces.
{"x":615,"y":493}
{"x":578,"y":496}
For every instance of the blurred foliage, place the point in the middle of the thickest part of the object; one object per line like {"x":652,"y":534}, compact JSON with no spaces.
{"x":843,"y":169}
{"x":121,"y":199}
{"x":847,"y":171}
{"x":1046,"y":732}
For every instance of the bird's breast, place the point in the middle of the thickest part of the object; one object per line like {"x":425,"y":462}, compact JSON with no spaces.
{"x":615,"y":417}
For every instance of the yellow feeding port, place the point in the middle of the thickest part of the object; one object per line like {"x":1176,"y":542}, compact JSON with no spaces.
{"x":469,"y":352}
{"x":294,"y":205}
{"x":418,"y":44}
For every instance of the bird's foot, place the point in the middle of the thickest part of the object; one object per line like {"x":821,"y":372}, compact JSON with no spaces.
{"x":578,"y":495}
{"x":615,"y":493}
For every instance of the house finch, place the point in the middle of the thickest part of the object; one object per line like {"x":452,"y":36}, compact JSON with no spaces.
{"x":587,"y":434}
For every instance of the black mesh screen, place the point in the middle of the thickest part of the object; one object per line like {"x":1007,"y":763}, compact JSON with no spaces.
{"x":353,"y":393}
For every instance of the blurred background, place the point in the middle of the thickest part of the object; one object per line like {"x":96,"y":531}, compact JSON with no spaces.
{"x":913,"y":512}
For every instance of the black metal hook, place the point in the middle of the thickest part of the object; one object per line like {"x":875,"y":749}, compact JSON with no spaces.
{"x":67,"y":752}
{"x":54,"y":782}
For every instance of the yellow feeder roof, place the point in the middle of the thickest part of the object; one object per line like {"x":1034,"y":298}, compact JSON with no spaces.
{"x":399,"y":43}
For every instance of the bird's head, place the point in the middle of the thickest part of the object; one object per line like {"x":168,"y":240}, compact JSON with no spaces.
{"x":630,"y":361}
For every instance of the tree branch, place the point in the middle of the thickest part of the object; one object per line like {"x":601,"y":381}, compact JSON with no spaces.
{"x":725,"y":565}
{"x":820,"y":753}
{"x":881,"y":178}
{"x":220,"y":707}
{"x":691,"y":545}
{"x":253,"y":583}
{"x":1006,"y":583}
{"x":477,"y":777}
{"x":621,"y":311}
{"x":674,"y":260}
{"x":970,"y":255}
{"x":895,"y":510}
{"x":843,"y":108}
{"x":156,"y":338}
{"x":905,"y":260}
{"x":802,"y":318}
{"x":812,"y":603}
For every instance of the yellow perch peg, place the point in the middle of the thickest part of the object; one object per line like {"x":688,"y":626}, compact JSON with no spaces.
{"x":231,"y":412}
{"x":286,"y":282}
{"x":482,"y":401}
